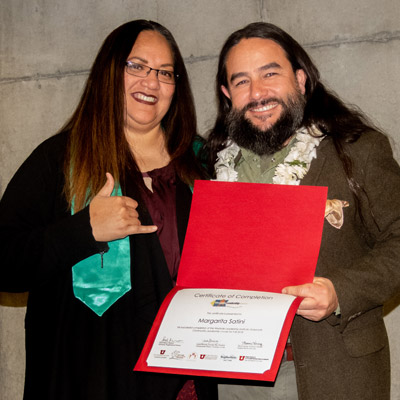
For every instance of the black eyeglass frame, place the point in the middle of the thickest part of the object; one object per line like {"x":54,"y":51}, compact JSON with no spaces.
{"x":149,"y":69}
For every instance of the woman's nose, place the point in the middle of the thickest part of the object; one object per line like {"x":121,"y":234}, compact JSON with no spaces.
{"x":151,"y":80}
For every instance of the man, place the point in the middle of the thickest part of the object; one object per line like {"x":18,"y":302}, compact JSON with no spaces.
{"x":277,"y":123}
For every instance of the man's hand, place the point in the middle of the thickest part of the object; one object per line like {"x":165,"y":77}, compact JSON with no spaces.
{"x":114,"y":217}
{"x":320,"y":299}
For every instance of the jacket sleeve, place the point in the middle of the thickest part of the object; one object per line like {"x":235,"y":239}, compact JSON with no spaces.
{"x":39,"y":238}
{"x":374,"y":277}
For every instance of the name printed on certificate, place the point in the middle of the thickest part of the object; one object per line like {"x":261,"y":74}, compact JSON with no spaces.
{"x":220,"y":330}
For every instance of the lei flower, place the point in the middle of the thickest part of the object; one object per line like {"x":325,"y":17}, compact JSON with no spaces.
{"x":294,"y":167}
{"x":225,"y":165}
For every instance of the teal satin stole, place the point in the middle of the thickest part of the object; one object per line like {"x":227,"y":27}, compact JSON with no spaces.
{"x":100,"y":280}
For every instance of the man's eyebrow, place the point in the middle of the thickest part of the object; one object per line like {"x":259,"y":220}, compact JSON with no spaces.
{"x":142,"y":60}
{"x":237,"y":75}
{"x":270,"y":65}
{"x":262,"y":68}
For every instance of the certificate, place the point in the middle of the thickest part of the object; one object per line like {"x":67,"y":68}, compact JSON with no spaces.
{"x":224,"y":330}
{"x":244,"y":243}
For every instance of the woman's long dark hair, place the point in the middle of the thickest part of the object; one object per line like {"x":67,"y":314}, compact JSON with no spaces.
{"x":97,"y":142}
{"x":343,"y":123}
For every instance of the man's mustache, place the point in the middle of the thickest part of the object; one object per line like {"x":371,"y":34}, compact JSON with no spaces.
{"x":261,"y":103}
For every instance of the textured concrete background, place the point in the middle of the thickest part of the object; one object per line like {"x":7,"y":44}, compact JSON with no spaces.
{"x":47,"y":47}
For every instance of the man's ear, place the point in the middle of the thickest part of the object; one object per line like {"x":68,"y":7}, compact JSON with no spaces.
{"x":301,"y":78}
{"x":225,"y":91}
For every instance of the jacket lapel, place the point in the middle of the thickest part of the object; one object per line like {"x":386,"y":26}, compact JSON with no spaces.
{"x":316,"y":167}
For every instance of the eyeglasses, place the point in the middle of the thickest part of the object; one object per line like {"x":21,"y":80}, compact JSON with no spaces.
{"x":142,"y":71}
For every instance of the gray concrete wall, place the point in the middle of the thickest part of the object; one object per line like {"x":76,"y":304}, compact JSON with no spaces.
{"x":47,"y":47}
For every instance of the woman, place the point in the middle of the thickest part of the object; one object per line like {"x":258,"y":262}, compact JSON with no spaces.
{"x":93,"y":222}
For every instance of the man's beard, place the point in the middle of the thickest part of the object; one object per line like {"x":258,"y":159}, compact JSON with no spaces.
{"x":268,"y":141}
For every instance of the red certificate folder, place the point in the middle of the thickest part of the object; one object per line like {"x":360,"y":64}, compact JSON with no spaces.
{"x":247,"y":236}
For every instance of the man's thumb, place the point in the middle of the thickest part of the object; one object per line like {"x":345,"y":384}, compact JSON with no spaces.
{"x":108,"y":187}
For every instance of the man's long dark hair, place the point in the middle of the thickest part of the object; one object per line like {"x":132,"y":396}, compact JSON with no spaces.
{"x":343,"y":123}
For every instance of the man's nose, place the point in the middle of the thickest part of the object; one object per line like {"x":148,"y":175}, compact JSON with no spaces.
{"x":258,"y":89}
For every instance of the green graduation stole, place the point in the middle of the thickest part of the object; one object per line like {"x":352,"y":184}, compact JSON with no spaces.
{"x":100,"y":280}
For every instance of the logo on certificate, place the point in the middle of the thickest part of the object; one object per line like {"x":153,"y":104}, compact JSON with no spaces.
{"x":219,"y":303}
{"x":208,"y":356}
{"x":225,"y":303}
{"x":177,"y":355}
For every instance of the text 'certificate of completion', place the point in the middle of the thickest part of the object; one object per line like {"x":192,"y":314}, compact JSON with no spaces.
{"x":221,"y":330}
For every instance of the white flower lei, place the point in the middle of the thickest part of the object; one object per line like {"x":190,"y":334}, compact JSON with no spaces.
{"x":294,"y":167}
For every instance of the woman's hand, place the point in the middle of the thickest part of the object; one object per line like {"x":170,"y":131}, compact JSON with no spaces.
{"x":114,"y":217}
